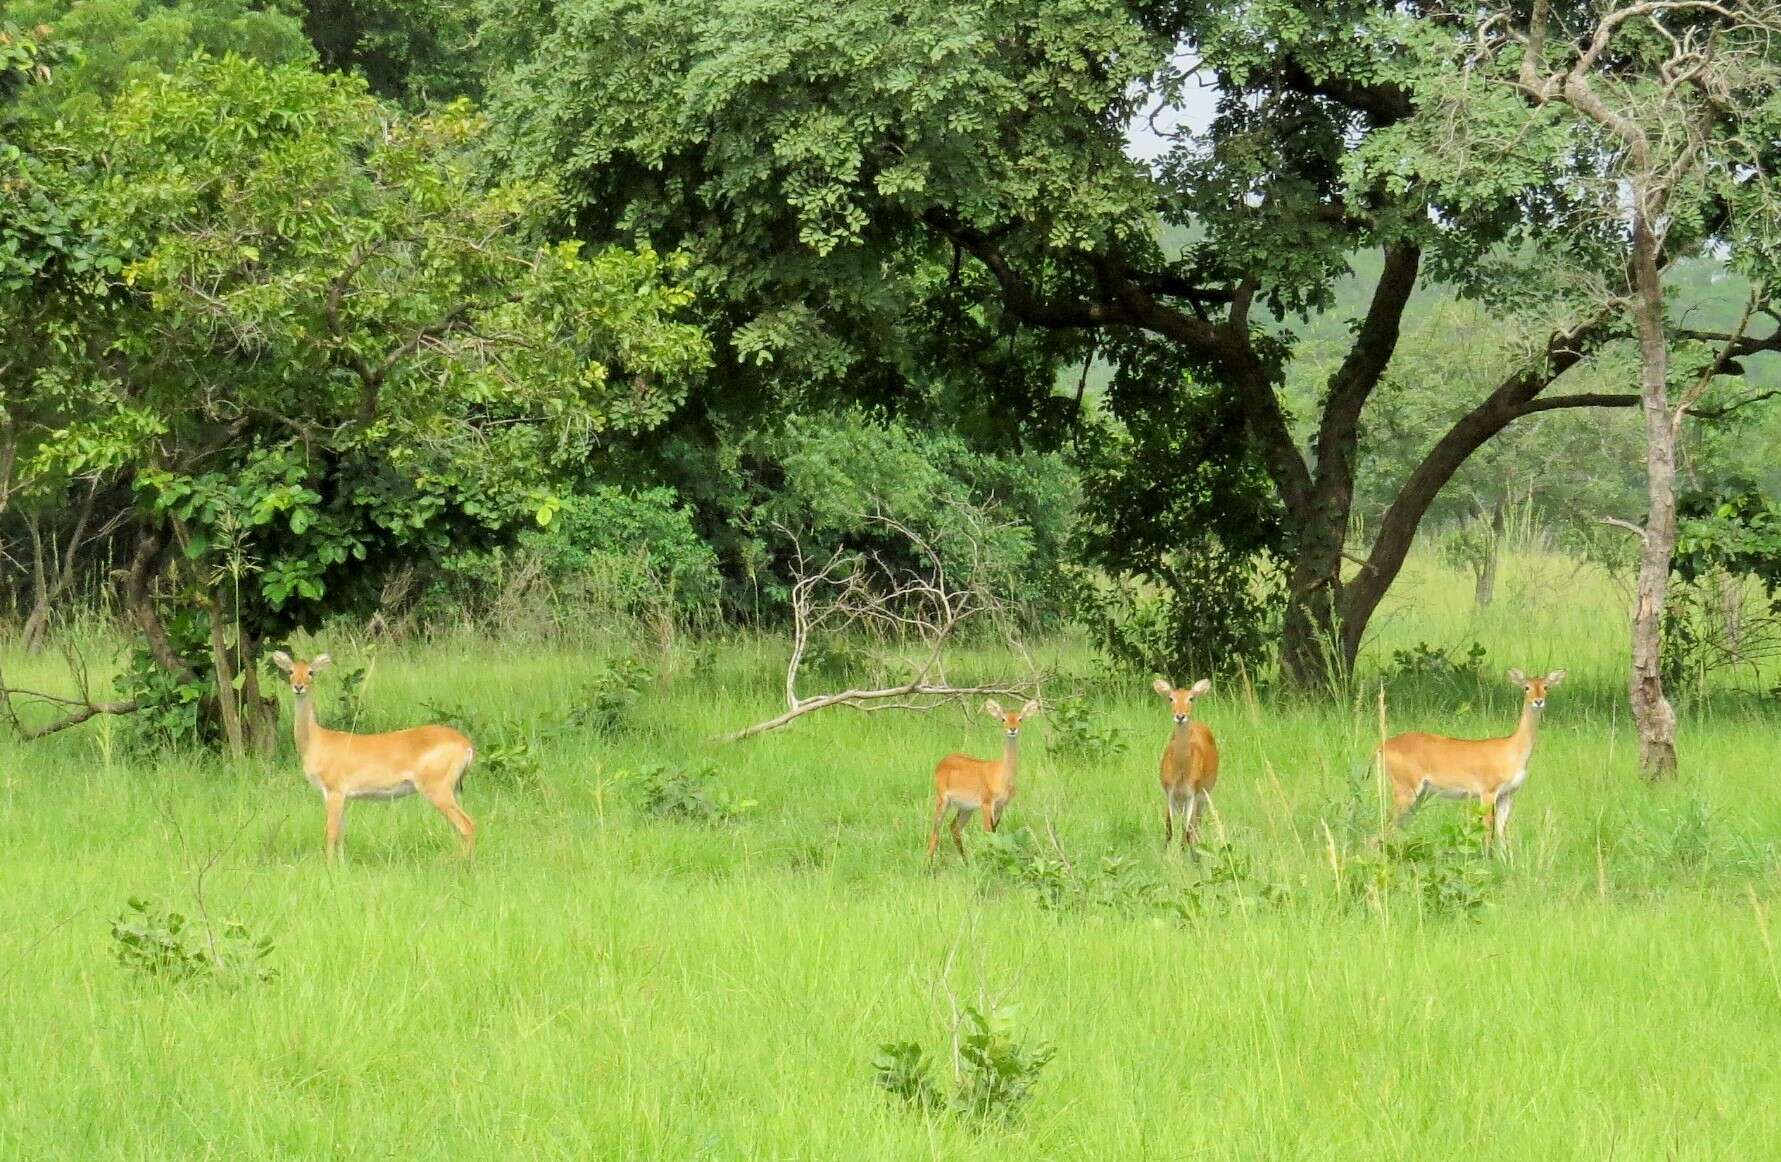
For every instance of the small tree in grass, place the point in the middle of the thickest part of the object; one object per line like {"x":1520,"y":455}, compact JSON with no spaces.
{"x":1646,"y":129}
{"x":1680,"y":101}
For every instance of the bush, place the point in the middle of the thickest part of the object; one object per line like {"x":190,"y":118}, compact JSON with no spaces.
{"x":999,"y":521}
{"x":1450,"y":872}
{"x":902,"y":1069}
{"x":634,"y":550}
{"x":605,"y":703}
{"x":996,"y":1073}
{"x":1081,"y":732}
{"x":607,"y":553}
{"x":1441,"y":663}
{"x":1224,"y":879}
{"x":505,"y":752}
{"x":678,"y":793}
{"x":149,"y":939}
{"x":1181,"y":527}
{"x":1205,"y":612}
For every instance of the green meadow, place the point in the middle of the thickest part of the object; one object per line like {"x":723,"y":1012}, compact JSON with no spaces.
{"x":603,"y":981}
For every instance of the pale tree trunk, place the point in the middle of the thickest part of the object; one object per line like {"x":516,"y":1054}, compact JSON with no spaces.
{"x":227,"y":697}
{"x":1485,"y":591}
{"x":1731,"y":609}
{"x":1653,"y":716}
{"x":49,"y":588}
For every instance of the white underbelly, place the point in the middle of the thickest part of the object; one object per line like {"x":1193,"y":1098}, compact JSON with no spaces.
{"x":395,"y":791}
{"x":392,"y":791}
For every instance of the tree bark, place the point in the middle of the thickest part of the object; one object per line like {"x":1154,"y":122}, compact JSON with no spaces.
{"x":1653,"y":717}
{"x":1312,"y":652}
{"x":1311,"y":644}
{"x":140,"y":602}
{"x":1731,"y":611}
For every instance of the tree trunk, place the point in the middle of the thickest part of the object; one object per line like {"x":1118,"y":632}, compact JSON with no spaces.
{"x":1731,"y":611}
{"x":259,"y":714}
{"x":1316,"y":651}
{"x":1653,"y":716}
{"x":48,"y":587}
{"x":39,"y":615}
{"x":1485,"y":591}
{"x":227,"y":697}
{"x":1312,"y":651}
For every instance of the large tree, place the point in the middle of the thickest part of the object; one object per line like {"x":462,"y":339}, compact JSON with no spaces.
{"x":811,"y":159}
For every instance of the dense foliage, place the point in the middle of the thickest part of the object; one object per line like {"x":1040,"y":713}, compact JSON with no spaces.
{"x":1177,"y":323}
{"x":315,"y":344}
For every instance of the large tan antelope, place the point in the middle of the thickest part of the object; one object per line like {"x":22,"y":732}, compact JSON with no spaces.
{"x":969,"y":785}
{"x":428,"y":759}
{"x":1490,"y":770}
{"x":1190,"y":764}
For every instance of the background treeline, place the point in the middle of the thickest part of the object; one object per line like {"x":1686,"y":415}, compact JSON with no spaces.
{"x":523,"y":317}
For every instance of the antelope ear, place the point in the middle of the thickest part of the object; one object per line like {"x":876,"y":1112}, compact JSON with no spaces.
{"x":1030,"y":709}
{"x":320,"y":662}
{"x":1164,"y":687}
{"x":282,"y":660}
{"x":994,"y":709}
{"x":1555,"y":677}
{"x":1517,"y":677}
{"x":1200,"y":687}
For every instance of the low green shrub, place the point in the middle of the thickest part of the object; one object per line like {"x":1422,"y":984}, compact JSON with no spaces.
{"x":153,"y":941}
{"x":994,"y":1077}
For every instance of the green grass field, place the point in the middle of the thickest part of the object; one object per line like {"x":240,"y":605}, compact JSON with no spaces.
{"x":602,"y":983}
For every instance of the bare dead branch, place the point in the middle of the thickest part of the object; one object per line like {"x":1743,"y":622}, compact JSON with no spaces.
{"x":1628,"y":525}
{"x":914,"y":613}
{"x":76,"y":710}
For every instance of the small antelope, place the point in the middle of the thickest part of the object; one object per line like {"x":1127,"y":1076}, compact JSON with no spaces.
{"x":1490,"y":770}
{"x":428,"y":759}
{"x":969,"y":785}
{"x":1190,"y":764}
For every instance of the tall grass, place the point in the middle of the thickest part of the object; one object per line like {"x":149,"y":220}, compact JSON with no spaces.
{"x":605,"y":983}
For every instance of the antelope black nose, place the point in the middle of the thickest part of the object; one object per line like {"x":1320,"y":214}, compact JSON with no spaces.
{"x":1181,"y":718}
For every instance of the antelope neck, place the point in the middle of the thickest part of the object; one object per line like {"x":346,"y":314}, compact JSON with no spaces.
{"x":1525,"y":729}
{"x":1010,"y":753}
{"x":303,"y":722}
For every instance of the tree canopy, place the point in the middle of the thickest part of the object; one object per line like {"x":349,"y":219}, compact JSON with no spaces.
{"x":816,"y":164}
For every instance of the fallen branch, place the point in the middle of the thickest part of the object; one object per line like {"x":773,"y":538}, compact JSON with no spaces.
{"x":862,"y":591}
{"x":84,"y":706}
{"x":873,"y":700}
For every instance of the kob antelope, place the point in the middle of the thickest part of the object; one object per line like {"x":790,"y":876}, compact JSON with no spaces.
{"x":1190,"y":764}
{"x":968,"y":785}
{"x":1490,"y":770}
{"x":428,"y":759}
